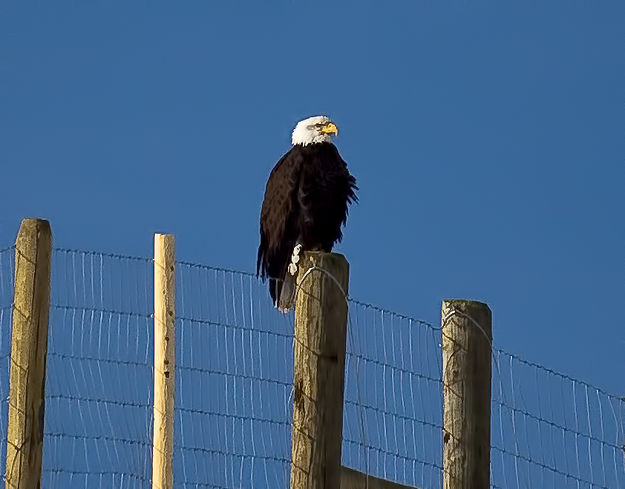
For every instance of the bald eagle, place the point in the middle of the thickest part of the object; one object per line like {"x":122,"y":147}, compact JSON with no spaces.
{"x":305,"y":205}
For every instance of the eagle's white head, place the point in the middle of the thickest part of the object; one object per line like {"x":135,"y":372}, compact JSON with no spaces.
{"x":318,"y":129}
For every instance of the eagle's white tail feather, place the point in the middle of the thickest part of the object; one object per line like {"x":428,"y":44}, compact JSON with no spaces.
{"x":286,"y":301}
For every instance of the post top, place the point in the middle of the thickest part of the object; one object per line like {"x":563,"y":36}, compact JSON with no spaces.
{"x":329,"y":261}
{"x":33,"y":222}
{"x":465,"y":303}
{"x":33,"y":228}
{"x":322,"y":253}
{"x":34,"y":219}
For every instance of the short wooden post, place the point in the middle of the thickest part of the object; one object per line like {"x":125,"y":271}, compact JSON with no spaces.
{"x":29,"y":345}
{"x":352,"y":479}
{"x":319,"y":370}
{"x":164,"y":336}
{"x":467,"y":340}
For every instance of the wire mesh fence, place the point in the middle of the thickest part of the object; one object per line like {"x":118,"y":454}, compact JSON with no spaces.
{"x":234,"y":361}
{"x":549,"y":430}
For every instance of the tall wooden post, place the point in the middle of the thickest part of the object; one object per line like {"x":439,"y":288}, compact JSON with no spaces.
{"x":164,"y":336}
{"x":467,"y":340}
{"x":29,"y":345}
{"x":319,"y":370}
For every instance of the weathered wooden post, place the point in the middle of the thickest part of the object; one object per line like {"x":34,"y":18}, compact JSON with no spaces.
{"x":164,"y":336}
{"x":29,"y":345}
{"x":467,"y":341}
{"x":319,"y":370}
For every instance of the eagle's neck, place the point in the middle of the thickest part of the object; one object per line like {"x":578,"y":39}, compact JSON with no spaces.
{"x":306,"y":137}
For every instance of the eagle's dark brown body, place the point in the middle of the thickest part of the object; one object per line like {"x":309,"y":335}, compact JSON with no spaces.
{"x":305,"y":203}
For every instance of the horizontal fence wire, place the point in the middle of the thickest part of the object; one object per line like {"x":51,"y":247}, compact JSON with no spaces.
{"x":234,"y":370}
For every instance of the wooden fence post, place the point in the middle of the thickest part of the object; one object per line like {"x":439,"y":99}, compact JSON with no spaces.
{"x":319,"y":370}
{"x":467,"y":340}
{"x":164,"y":349}
{"x":29,"y":345}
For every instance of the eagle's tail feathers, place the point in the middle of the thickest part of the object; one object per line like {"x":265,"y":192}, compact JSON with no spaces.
{"x":286,"y":300}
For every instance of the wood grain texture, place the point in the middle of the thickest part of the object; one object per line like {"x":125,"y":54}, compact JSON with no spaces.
{"x":467,"y":340}
{"x":164,"y":361}
{"x":319,"y":371}
{"x":29,"y":345}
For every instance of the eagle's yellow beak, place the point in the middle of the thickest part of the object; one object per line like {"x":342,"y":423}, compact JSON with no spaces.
{"x":330,"y":128}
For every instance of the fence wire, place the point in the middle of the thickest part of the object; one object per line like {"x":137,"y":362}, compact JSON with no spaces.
{"x":550,"y":430}
{"x":234,"y":368}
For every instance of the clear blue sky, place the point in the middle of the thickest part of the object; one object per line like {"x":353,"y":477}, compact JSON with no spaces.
{"x":487,"y":138}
